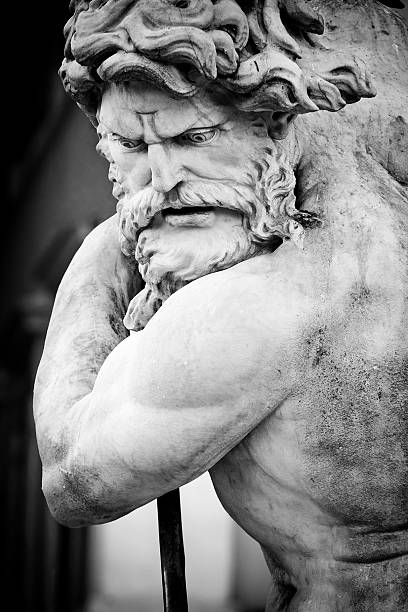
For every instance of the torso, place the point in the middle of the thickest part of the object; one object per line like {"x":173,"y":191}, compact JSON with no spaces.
{"x":322,"y":482}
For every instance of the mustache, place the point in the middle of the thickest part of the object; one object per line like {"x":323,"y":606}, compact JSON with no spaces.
{"x":137,"y":211}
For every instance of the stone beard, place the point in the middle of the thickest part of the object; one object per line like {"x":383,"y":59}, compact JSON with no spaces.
{"x":231,"y":222}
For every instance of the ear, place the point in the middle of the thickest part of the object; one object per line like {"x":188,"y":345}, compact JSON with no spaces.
{"x":278,"y":124}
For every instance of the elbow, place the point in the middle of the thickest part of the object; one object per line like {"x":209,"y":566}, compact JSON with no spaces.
{"x":83,"y":489}
{"x":73,"y":498}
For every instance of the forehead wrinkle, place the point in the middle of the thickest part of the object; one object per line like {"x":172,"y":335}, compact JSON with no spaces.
{"x":151,"y":115}
{"x":167,"y":125}
{"x":210,"y":114}
{"x":150,"y":133}
{"x":122,"y":120}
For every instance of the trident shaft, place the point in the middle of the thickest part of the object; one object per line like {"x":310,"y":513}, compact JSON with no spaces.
{"x":172,"y":552}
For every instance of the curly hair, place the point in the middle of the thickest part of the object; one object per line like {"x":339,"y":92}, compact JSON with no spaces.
{"x":266,"y":53}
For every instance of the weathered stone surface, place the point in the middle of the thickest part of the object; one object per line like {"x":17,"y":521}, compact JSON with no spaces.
{"x":269,"y":343}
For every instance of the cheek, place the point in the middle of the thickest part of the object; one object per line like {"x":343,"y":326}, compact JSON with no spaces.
{"x":215,"y":163}
{"x":227,"y":157}
{"x":237,"y":148}
{"x":210,"y":163}
{"x":232,"y":158}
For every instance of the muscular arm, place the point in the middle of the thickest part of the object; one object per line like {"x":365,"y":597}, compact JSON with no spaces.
{"x":168,"y":402}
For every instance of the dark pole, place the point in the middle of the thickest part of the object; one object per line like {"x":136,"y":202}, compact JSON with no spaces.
{"x":172,"y":552}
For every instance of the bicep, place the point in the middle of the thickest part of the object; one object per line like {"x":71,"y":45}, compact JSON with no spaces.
{"x":189,"y":387}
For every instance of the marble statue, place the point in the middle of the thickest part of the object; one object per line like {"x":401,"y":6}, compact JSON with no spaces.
{"x":245,"y":311}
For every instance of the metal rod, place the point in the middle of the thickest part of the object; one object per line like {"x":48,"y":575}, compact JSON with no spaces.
{"x":172,"y":552}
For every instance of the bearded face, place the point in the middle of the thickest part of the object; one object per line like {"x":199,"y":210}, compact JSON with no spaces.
{"x":192,"y":201}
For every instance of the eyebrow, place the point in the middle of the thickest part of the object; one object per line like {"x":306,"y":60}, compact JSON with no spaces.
{"x":195,"y":125}
{"x":112,"y":133}
{"x":134,"y":135}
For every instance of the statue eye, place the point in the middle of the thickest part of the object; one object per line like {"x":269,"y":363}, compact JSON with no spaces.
{"x":199,"y":137}
{"x":132,"y":144}
{"x":128,"y":143}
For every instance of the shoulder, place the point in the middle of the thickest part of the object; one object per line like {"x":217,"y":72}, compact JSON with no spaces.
{"x":243,"y":323}
{"x":267,"y":294}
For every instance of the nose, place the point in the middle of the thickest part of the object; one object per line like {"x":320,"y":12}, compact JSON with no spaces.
{"x":166,"y":169}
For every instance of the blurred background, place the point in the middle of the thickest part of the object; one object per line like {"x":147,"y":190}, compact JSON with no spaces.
{"x":56,"y":191}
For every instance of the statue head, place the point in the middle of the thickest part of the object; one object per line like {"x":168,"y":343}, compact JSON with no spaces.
{"x":201,"y":186}
{"x":191,"y":99}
